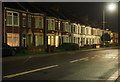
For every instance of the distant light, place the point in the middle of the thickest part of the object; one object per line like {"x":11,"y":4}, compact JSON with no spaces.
{"x":107,"y":29}
{"x":111,"y":7}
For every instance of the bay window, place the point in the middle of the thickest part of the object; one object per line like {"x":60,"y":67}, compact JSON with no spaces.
{"x":13,"y":39}
{"x":51,"y":24}
{"x":51,"y":40}
{"x":38,"y":22}
{"x":65,"y":27}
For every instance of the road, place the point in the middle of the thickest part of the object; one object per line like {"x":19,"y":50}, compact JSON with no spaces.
{"x":85,"y":65}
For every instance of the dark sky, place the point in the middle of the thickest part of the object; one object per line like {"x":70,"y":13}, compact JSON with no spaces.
{"x":93,"y":10}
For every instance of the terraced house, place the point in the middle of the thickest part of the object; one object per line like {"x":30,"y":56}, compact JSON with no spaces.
{"x":37,"y":29}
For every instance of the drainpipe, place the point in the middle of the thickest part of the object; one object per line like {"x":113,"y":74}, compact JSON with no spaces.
{"x":4,"y":26}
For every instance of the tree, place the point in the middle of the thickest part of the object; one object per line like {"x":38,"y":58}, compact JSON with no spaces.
{"x":105,"y":37}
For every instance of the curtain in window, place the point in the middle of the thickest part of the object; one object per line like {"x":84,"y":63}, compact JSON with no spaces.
{"x":13,"y":39}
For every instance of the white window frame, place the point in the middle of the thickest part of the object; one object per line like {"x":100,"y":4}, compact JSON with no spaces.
{"x":13,"y":18}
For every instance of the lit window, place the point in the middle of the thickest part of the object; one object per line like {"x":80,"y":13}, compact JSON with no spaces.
{"x":48,"y":40}
{"x":52,"y":40}
{"x":36,"y":40}
{"x":13,"y":39}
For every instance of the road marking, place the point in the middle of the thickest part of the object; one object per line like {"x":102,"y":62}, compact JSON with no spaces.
{"x":78,"y":60}
{"x":92,"y":57}
{"x":86,"y":59}
{"x":113,"y":77}
{"x":22,"y":73}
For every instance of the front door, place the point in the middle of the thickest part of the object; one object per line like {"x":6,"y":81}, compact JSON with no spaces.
{"x":57,"y":41}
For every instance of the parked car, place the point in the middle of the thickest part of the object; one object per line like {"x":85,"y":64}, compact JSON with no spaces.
{"x":8,"y":50}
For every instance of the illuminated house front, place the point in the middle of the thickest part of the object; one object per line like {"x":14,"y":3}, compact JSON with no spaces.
{"x":23,"y":28}
{"x":35,"y":29}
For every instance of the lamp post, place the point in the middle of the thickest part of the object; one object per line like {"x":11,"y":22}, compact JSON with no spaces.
{"x":111,"y":7}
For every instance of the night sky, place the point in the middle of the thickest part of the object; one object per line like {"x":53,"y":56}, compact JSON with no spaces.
{"x":93,"y":10}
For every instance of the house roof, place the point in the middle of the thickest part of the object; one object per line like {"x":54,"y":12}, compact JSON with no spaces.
{"x":23,"y":6}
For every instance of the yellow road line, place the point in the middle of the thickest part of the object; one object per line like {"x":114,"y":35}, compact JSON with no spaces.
{"x":22,"y":73}
{"x":78,"y":60}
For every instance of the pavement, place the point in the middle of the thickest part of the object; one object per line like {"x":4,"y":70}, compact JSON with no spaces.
{"x":10,"y":58}
{"x":91,"y":64}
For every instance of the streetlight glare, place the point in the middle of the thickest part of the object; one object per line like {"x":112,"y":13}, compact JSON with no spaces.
{"x":111,"y":7}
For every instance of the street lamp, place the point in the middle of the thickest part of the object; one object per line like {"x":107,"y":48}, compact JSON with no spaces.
{"x":110,"y":7}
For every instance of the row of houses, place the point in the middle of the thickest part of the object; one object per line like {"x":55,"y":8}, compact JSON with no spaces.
{"x":35,"y":28}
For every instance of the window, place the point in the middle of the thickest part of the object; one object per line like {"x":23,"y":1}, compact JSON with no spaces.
{"x":74,"y":39}
{"x":9,"y":18}
{"x":87,"y":41}
{"x":12,"y":18}
{"x":51,"y":24}
{"x":48,"y":40}
{"x":74,"y":28}
{"x":78,"y":29}
{"x":24,"y":20}
{"x":71,"y":28}
{"x":78,"y":40}
{"x":87,"y":31}
{"x":52,"y":40}
{"x":83,"y":30}
{"x":38,"y":22}
{"x":13,"y":39}
{"x":15,"y":15}
{"x":67,"y":40}
{"x":67,"y":27}
{"x":63,"y":27}
{"x":59,"y":25}
{"x":29,"y":21}
{"x":29,"y":39}
{"x":41,"y":40}
{"x":36,"y":40}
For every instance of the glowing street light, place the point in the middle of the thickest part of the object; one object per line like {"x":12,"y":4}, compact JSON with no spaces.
{"x":110,"y":7}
